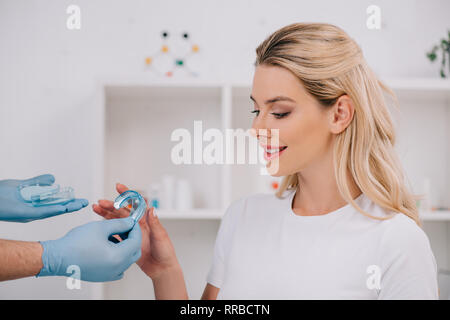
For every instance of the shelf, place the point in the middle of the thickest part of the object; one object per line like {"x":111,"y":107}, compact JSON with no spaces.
{"x":435,"y":216}
{"x":189,"y":214}
{"x":173,"y":94}
{"x":217,"y":214}
{"x":420,"y":84}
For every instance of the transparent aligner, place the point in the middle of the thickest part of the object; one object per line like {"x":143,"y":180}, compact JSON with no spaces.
{"x":62,"y":196}
{"x":137,"y":202}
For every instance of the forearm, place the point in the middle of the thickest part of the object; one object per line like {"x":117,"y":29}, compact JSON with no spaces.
{"x":170,"y":285}
{"x":19,"y":259}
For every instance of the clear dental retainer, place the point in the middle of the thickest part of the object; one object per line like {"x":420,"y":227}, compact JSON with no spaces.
{"x":45,"y":195}
{"x":133,"y":199}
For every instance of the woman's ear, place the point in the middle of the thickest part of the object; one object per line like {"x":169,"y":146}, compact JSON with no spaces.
{"x":341,"y":114}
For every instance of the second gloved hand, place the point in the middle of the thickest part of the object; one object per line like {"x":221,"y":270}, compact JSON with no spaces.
{"x":13,"y":208}
{"x":88,"y":247}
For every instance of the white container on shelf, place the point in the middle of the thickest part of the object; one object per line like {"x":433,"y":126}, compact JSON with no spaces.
{"x":183,"y":199}
{"x":168,"y":191}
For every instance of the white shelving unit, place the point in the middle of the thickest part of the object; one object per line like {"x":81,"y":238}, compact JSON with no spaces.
{"x":138,"y":117}
{"x":435,"y":216}
{"x":135,"y":144}
{"x":423,"y":129}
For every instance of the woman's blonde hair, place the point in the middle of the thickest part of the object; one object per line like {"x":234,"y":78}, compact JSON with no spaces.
{"x":330,"y":64}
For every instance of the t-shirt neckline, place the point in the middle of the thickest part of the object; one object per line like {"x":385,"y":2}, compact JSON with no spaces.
{"x":290,"y":197}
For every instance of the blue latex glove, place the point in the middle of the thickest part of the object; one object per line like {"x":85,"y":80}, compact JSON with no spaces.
{"x":14,"y":208}
{"x":88,"y":247}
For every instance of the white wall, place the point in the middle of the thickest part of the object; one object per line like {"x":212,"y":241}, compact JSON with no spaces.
{"x":48,"y":76}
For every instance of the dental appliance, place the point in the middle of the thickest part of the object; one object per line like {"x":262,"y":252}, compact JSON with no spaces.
{"x":41,"y":195}
{"x":133,"y":199}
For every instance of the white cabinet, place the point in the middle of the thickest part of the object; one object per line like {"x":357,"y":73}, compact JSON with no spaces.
{"x":135,"y":145}
{"x":136,"y":120}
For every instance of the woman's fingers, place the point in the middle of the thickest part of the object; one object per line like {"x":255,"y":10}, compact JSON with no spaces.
{"x":106,"y":204}
{"x":102,"y":212}
{"x":109,"y":205}
{"x":105,"y":208}
{"x":110,"y":214}
{"x":121,"y":188}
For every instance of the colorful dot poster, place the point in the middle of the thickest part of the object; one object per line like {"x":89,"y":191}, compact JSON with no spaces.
{"x":174,"y":55}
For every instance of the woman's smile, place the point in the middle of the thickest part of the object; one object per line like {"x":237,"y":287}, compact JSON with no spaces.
{"x":271,"y":152}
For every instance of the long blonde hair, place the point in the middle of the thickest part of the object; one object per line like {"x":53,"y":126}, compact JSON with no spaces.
{"x":329,"y":64}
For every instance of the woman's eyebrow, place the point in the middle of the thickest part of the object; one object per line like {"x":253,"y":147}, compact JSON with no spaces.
{"x":277,"y":98}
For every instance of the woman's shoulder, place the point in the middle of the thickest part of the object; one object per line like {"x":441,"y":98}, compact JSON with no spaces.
{"x":397,"y":232}
{"x":398,"y":225}
{"x":403,"y":234}
{"x":406,"y":254}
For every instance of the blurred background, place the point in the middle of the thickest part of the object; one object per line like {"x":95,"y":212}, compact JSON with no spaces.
{"x":95,"y":103}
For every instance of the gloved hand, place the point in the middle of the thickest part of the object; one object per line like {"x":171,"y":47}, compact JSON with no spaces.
{"x":88,"y":247}
{"x":158,"y":252}
{"x":14,"y":208}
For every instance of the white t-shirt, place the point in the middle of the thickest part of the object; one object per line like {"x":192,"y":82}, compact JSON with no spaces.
{"x":264,"y":250}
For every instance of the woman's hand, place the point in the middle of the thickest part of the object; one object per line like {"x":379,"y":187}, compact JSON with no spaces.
{"x":158,"y":254}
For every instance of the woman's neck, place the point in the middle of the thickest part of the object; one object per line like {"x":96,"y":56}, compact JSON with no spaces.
{"x":318,"y":193}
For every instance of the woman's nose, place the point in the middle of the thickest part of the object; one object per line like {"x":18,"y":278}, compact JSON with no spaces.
{"x":260,"y":130}
{"x":259,"y":123}
{"x":264,"y":133}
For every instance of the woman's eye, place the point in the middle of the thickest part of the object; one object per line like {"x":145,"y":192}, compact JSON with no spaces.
{"x":255,"y":111}
{"x":280,"y":115}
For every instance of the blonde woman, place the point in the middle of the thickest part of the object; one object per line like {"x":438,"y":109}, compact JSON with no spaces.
{"x":343,"y":225}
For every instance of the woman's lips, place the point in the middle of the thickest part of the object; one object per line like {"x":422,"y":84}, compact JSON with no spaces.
{"x":273,"y":152}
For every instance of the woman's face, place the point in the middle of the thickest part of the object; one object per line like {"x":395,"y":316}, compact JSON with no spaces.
{"x":281,"y":102}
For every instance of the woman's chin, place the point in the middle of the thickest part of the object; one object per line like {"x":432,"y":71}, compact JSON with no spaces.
{"x":277,"y":170}
{"x":274,"y":169}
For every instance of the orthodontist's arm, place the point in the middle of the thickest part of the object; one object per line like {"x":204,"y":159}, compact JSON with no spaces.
{"x":19,"y":259}
{"x":87,"y":246}
{"x":158,"y":259}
